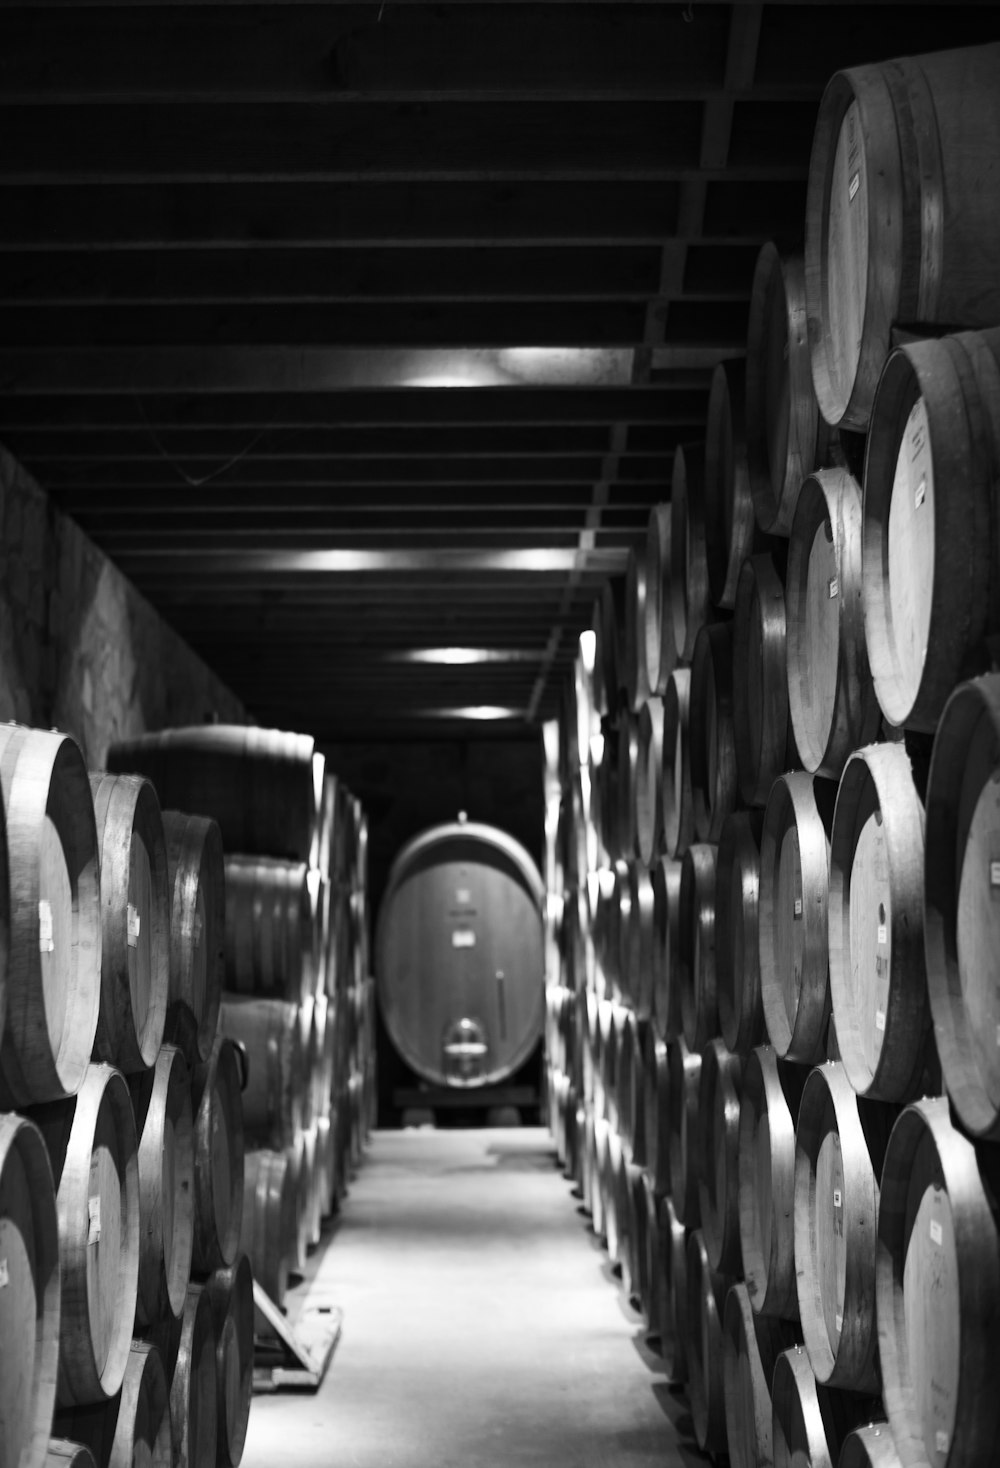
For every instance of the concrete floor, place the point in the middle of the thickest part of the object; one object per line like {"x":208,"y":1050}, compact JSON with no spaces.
{"x":482,"y":1326}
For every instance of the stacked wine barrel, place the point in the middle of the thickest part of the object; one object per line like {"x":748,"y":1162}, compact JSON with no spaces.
{"x":774,"y":813}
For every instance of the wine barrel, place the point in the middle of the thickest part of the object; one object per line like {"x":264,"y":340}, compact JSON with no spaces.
{"x":269,"y":1220}
{"x":719,"y":1146}
{"x":675,"y":780}
{"x":326,"y":1163}
{"x":792,"y":915}
{"x":737,"y":957}
{"x":135,"y":910}
{"x":831,"y":697}
{"x":870,"y":1447}
{"x":938,"y":1292}
{"x":673,"y":1312}
{"x":711,"y":732}
{"x":690,"y":600}
{"x":809,"y":1422}
{"x":627,"y":755}
{"x":760,"y":679}
{"x":274,"y":1096}
{"x":91,"y":1141}
{"x":655,"y":1102}
{"x":751,"y":1344}
{"x":609,"y":655}
{"x":598,"y":1203}
{"x":30,"y":1299}
{"x":786,"y":436}
{"x":628,"y":1223}
{"x":615,"y":1226}
{"x":161,"y":1104}
{"x":772,"y":1089}
{"x":298,"y":1163}
{"x":706,"y":1302}
{"x":134,"y":1426}
{"x":731,"y":533}
{"x":653,"y":1300}
{"x":666,"y":1002}
{"x":263,"y":787}
{"x":877,"y":968}
{"x":696,"y":946}
{"x":218,"y":1151}
{"x":839,"y":1147}
{"x":624,"y":1043}
{"x":929,"y":555}
{"x":271,"y":939}
{"x":684,"y":1077}
{"x":63,"y":1454}
{"x":50,"y":918}
{"x":194,"y":1387}
{"x":648,"y":781}
{"x":197,"y":927}
{"x":661,"y":652}
{"x":460,"y":955}
{"x":901,"y":213}
{"x":961,"y":913}
{"x":637,"y":688}
{"x":638,"y":937}
{"x":230,"y":1295}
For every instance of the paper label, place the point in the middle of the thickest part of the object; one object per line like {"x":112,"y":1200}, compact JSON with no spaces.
{"x":46,"y":943}
{"x":883,"y":936}
{"x":940,"y":1441}
{"x":797,"y":909}
{"x":937,"y":1236}
{"x":134,"y":924}
{"x":4,"y":1274}
{"x":920,"y":493}
{"x":838,"y":1198}
{"x":834,"y":587}
{"x":995,"y":873}
{"x":879,"y":1020}
{"x":463,"y":938}
{"x":853,"y":186}
{"x":94,"y":1215}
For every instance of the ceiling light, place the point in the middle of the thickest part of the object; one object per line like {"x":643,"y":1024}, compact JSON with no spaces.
{"x":455,"y":657}
{"x":588,"y":651}
{"x":483,"y":711}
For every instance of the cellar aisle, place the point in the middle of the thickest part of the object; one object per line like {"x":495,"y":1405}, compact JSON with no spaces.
{"x":481,"y":1324}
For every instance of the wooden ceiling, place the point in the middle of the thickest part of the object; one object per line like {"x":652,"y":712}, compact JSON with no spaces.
{"x":253,"y":254}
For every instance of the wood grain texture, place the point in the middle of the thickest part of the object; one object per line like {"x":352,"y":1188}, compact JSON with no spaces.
{"x":661,"y":649}
{"x":706,"y":1302}
{"x":711,"y":732}
{"x":737,"y":955}
{"x":675,"y":780}
{"x":696,"y":946}
{"x":219,"y":1153}
{"x":772,"y":1089}
{"x":760,"y":682}
{"x":196,"y":874}
{"x":750,"y":1346}
{"x":230,"y":1295}
{"x":684,"y":1078}
{"x":690,"y":598}
{"x":161,"y":1103}
{"x":719,"y":1089}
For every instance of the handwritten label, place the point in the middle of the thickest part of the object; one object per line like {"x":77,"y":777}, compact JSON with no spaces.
{"x":46,"y":943}
{"x":853,"y":186}
{"x":4,"y":1274}
{"x":883,"y":936}
{"x":134,"y":924}
{"x":833,"y":588}
{"x":880,"y":1020}
{"x":94,"y":1215}
{"x":838,"y":1198}
{"x":463,"y":938}
{"x":920,"y":493}
{"x":937,"y":1235}
{"x":995,"y":873}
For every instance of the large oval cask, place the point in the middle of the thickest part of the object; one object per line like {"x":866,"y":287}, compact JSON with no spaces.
{"x":737,"y":957}
{"x":216,"y":1099}
{"x":731,"y":533}
{"x":711,"y":731}
{"x":196,"y":873}
{"x":230,"y":1295}
{"x":751,"y":1345}
{"x":769,"y":1109}
{"x":690,"y":599}
{"x":706,"y":1302}
{"x":760,"y":679}
{"x":161,"y":1103}
{"x":661,"y":652}
{"x":719,"y":1142}
{"x":271,"y":939}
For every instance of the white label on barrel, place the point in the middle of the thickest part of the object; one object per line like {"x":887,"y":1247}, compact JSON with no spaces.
{"x":134,"y":924}
{"x":838,"y":1198}
{"x":463,"y":938}
{"x":995,"y":873}
{"x":45,"y":940}
{"x":940,"y":1441}
{"x":883,"y":936}
{"x":798,"y":907}
{"x":879,"y":1019}
{"x":462,"y":897}
{"x":4,"y":1274}
{"x":853,"y":186}
{"x":937,"y":1236}
{"x":840,"y":1321}
{"x":94,"y":1214}
{"x":834,"y":587}
{"x":920,"y":493}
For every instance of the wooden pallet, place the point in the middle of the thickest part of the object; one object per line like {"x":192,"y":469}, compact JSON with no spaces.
{"x":287,"y":1358}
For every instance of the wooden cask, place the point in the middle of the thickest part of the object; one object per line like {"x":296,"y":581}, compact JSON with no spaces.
{"x":615,"y":1226}
{"x":684,"y":1077}
{"x":711,"y":732}
{"x":271,"y":938}
{"x":648,"y":781}
{"x":809,"y":1422}
{"x":274,"y":1096}
{"x":216,"y":1086}
{"x":637,"y":687}
{"x":194,"y":1386}
{"x":627,"y":754}
{"x":929,"y":547}
{"x":656,"y":1135}
{"x":631,"y":1244}
{"x":161,"y":1104}
{"x":30,"y":1299}
{"x":787,"y":437}
{"x":263,"y":787}
{"x":751,"y":1344}
{"x":624,"y":1042}
{"x":696,"y":946}
{"x":270,"y":1224}
{"x":831,"y":697}
{"x":737,"y":956}
{"x":134,"y":1427}
{"x":675,"y":780}
{"x":135,"y":920}
{"x":769,"y":1109}
{"x":638,"y":936}
{"x":902,"y":212}
{"x":731,"y":533}
{"x":792,"y":915}
{"x":840,"y":1144}
{"x":877,"y":968}
{"x":690,"y":599}
{"x":50,"y":917}
{"x":760,"y":679}
{"x":609,"y":657}
{"x":598,"y":1195}
{"x":197,"y":928}
{"x":719,"y":1146}
{"x":666,"y":1002}
{"x":653,"y":1296}
{"x":961,"y":910}
{"x":938,"y":1291}
{"x":674,"y":1335}
{"x":661,"y":650}
{"x":870,"y":1447}
{"x":299,"y":1163}
{"x":706,"y":1302}
{"x":64,"y":1454}
{"x":230,"y":1295}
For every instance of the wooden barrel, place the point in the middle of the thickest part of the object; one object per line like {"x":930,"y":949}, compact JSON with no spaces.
{"x":792,"y":915}
{"x":809,"y":1422}
{"x":706,"y":1302}
{"x":218,"y":1150}
{"x":271,"y":939}
{"x":641,"y":1028}
{"x":831,"y":697}
{"x":719,"y":1146}
{"x":161,"y":1103}
{"x":684,"y":1077}
{"x":675,"y":780}
{"x":737,"y":957}
{"x":135,"y":910}
{"x":961,"y":911}
{"x":629,"y":1241}
{"x":615,"y":1226}
{"x":690,"y":600}
{"x":772,"y":1089}
{"x":899,"y":216}
{"x":298,"y":1163}
{"x":656,"y":1134}
{"x":230,"y":1294}
{"x":91,"y":1141}
{"x":751,"y":1344}
{"x":63,"y":1454}
{"x":53,"y":886}
{"x":274,"y":1095}
{"x":938,"y":1291}
{"x":627,"y":755}
{"x":648,"y":781}
{"x":609,"y":657}
{"x":760,"y":679}
{"x":696,"y":946}
{"x":624,"y":1043}
{"x":637,"y":688}
{"x":661,"y":651}
{"x":653,"y":1295}
{"x":877,"y":968}
{"x":731,"y":533}
{"x":711,"y":732}
{"x":269,"y":1220}
{"x":929,"y":556}
{"x":870,"y":1447}
{"x":598,"y":1197}
{"x":194,"y":1386}
{"x":666,"y":1006}
{"x":839,"y":1148}
{"x":262,"y":786}
{"x":30,"y":1299}
{"x":134,"y":1427}
{"x":197,"y":927}
{"x":638,"y":937}
{"x":673,"y":1310}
